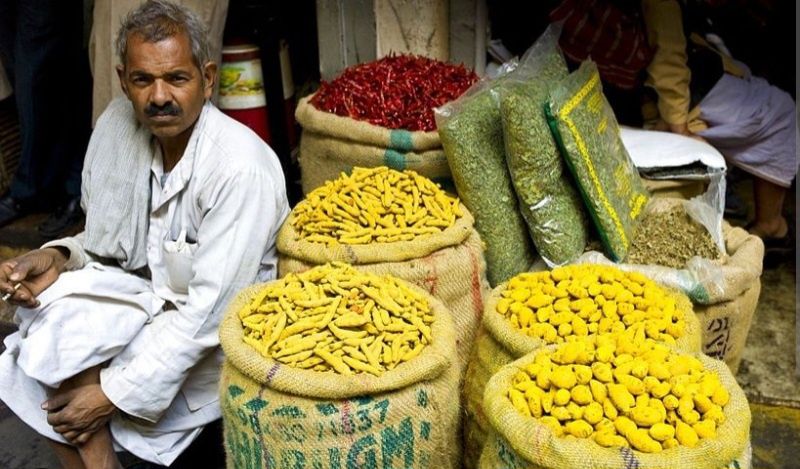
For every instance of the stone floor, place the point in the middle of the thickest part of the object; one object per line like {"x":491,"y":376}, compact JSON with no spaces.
{"x":768,"y":372}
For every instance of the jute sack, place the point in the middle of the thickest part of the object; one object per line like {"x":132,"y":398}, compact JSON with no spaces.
{"x":448,"y":265}
{"x":674,"y":188}
{"x":497,"y":454}
{"x":332,"y":144}
{"x":499,"y":343}
{"x":726,"y":323}
{"x":724,"y":292}
{"x":275,"y":416}
{"x":725,"y":326}
{"x":521,"y":442}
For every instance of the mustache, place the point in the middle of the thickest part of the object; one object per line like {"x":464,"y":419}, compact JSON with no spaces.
{"x":168,"y":109}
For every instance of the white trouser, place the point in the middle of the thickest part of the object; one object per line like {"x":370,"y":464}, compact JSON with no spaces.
{"x":85,"y":319}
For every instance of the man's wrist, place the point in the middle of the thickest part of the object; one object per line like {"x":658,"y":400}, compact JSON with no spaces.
{"x":60,"y":256}
{"x":108,"y":402}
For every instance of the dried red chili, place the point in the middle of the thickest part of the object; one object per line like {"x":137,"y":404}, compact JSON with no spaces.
{"x":396,"y":92}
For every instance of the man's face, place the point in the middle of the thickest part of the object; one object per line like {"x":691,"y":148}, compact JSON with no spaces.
{"x":164,"y":85}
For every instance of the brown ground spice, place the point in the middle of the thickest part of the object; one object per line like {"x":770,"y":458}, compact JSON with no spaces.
{"x":670,"y":239}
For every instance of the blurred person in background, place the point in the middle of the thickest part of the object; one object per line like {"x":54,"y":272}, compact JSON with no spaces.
{"x":41,"y":48}
{"x":665,"y":66}
{"x":5,"y":86}
{"x":696,"y":88}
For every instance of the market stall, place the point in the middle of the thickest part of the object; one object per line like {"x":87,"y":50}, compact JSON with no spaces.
{"x":617,"y":318}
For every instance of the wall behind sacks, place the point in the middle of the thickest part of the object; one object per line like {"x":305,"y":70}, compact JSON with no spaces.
{"x":348,"y":35}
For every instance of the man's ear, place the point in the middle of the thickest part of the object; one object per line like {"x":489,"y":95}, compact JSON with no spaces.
{"x":210,"y":78}
{"x":122,"y":83}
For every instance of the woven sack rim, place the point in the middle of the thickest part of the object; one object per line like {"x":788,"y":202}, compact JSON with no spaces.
{"x":347,"y":128}
{"x":356,"y":254}
{"x":708,"y":454}
{"x":428,"y":365}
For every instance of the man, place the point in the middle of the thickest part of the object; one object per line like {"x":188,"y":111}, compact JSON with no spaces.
{"x":702,"y":90}
{"x":106,"y":17}
{"x":173,"y":187}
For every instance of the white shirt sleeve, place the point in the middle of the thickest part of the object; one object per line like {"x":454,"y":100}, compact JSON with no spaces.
{"x":78,"y":257}
{"x":241,"y":220}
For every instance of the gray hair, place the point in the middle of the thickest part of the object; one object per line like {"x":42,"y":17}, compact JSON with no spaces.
{"x":156,"y":20}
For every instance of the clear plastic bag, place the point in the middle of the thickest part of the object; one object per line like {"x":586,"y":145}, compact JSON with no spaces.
{"x":704,"y":281}
{"x":549,"y":201}
{"x":587,"y":132}
{"x":671,"y":231}
{"x":472,"y":138}
{"x":709,"y":207}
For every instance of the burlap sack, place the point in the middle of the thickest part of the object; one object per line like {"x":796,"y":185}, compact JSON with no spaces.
{"x":674,"y":188}
{"x":448,"y":265}
{"x":521,"y":442}
{"x":331,"y":144}
{"x":725,"y":326}
{"x":497,"y":454}
{"x":499,"y":343}
{"x":276,"y":416}
{"x":726,"y":322}
{"x":724,"y":292}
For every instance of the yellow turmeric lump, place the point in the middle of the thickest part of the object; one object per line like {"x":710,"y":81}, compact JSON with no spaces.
{"x":334,"y":318}
{"x":374,"y":205}
{"x":646,"y":397}
{"x":585,"y":299}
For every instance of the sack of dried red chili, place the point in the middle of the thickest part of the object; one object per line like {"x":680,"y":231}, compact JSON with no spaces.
{"x":378,"y":114}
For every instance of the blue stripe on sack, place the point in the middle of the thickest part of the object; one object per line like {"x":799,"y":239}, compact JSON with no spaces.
{"x":699,"y":294}
{"x":401,"y":140}
{"x":394,"y":159}
{"x":630,"y":459}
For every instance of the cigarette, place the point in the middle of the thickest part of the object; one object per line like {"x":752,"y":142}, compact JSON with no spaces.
{"x":9,"y":295}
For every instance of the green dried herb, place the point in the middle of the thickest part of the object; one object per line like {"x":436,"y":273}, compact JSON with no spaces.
{"x":472,"y":138}
{"x":586,"y":130}
{"x":670,"y":238}
{"x":549,"y":201}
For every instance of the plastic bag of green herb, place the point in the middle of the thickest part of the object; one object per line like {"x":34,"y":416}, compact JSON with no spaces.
{"x":549,"y":201}
{"x":472,"y":138}
{"x":587,"y":133}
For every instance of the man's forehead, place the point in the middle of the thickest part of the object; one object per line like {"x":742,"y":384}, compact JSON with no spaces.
{"x":171,"y":52}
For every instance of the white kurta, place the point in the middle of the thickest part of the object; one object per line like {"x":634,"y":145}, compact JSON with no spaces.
{"x":212,"y":231}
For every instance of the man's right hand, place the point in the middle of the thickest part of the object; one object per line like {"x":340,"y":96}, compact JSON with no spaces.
{"x":34,"y":271}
